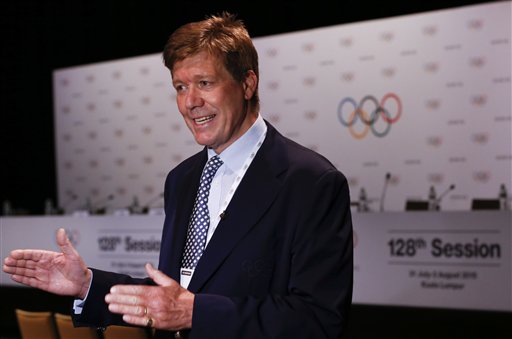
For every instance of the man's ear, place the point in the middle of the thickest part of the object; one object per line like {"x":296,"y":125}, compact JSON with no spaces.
{"x":250,"y":83}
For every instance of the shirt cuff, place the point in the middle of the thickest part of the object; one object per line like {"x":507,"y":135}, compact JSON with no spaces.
{"x":78,"y":304}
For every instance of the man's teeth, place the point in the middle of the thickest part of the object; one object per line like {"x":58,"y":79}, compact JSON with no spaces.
{"x":204,"y":120}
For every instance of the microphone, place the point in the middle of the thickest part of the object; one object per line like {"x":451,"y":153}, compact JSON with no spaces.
{"x":383,"y":196}
{"x":102,"y":203}
{"x":441,"y":196}
{"x":151,"y":201}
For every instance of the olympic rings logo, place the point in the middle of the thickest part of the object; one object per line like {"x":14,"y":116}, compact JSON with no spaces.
{"x":359,"y":112}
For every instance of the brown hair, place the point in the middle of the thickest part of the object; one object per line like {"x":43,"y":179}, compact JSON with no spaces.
{"x":223,"y":36}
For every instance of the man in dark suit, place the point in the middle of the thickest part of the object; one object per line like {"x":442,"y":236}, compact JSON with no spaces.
{"x":276,"y":256}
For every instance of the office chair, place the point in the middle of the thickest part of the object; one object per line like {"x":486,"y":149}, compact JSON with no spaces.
{"x":36,"y":325}
{"x":125,"y":332}
{"x":67,"y":330}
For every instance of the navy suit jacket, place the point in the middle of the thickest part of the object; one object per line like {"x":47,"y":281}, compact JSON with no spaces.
{"x":280,"y":263}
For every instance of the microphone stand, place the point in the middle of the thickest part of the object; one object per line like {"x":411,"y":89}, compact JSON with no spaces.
{"x":101,"y":209}
{"x":383,"y":196}
{"x":147,"y":206}
{"x":441,"y":196}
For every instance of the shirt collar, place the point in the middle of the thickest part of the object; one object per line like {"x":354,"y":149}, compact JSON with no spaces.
{"x":235,"y":154}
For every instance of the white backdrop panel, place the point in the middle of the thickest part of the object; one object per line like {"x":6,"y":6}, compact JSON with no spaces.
{"x":441,"y":78}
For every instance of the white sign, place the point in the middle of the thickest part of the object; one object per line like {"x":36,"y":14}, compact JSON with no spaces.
{"x":428,"y":259}
{"x":434,"y":259}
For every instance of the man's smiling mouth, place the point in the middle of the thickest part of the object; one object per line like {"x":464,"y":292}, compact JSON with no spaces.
{"x":204,"y":120}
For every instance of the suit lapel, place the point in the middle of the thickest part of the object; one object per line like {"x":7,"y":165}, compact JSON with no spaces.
{"x":254,"y":195}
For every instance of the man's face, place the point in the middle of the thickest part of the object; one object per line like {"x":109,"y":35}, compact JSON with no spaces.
{"x":213,"y":104}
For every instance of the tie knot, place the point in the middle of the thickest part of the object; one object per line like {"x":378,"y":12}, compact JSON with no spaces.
{"x":213,"y":164}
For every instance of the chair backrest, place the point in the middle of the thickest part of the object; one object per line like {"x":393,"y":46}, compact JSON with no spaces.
{"x":125,"y":332}
{"x":36,"y":325}
{"x":67,"y":330}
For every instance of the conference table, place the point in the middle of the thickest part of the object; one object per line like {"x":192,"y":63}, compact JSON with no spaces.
{"x":446,"y":259}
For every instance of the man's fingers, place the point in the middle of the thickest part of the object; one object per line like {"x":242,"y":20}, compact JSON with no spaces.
{"x":19,"y":271}
{"x":129,"y":289}
{"x":125,"y":299}
{"x":16,"y":255}
{"x":12,"y":264}
{"x":117,"y":307}
{"x":64,"y":243}
{"x":9,"y":264}
{"x":130,"y":306}
{"x":158,"y":277}
{"x":139,"y":321}
{"x":29,"y":280}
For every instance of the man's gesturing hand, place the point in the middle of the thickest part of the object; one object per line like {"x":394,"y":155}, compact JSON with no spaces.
{"x":167,"y":306}
{"x":63,"y":273}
